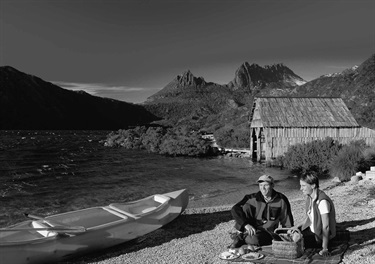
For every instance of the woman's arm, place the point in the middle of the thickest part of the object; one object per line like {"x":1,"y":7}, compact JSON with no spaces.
{"x":325,"y":231}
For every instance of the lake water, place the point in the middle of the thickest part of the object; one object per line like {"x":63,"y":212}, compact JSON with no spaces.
{"x":48,"y":172}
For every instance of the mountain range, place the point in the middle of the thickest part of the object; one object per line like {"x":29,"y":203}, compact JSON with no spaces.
{"x":208,"y":104}
{"x":192,"y":101}
{"x":28,"y":102}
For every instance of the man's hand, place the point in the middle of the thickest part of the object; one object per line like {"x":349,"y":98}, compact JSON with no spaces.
{"x":324,"y":253}
{"x":250,"y":230}
{"x":293,"y":228}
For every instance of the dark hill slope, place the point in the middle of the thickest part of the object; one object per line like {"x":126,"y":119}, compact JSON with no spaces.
{"x":28,"y":102}
{"x":356,"y":86}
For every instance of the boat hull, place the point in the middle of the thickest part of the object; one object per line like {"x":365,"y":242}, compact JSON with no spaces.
{"x":105,"y":228}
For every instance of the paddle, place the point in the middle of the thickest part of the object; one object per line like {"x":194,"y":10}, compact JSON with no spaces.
{"x":55,"y":229}
{"x":35,"y":217}
{"x":56,"y":226}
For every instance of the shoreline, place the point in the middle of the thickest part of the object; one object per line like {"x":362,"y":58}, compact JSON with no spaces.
{"x":283,"y":181}
{"x":201,"y":233}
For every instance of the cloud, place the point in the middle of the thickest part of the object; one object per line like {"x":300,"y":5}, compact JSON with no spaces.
{"x":118,"y":92}
{"x":97,"y":88}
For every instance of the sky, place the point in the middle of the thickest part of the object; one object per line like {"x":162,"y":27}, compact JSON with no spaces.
{"x":128,"y":50}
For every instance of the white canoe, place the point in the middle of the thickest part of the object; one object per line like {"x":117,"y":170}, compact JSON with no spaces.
{"x":58,"y":237}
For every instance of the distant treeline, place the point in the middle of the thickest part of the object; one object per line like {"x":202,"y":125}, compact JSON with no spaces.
{"x":167,"y":141}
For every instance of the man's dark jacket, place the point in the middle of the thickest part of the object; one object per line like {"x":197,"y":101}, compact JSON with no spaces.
{"x":254,"y":210}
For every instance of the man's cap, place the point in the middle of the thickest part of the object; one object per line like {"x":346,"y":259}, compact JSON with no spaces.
{"x":265,"y":178}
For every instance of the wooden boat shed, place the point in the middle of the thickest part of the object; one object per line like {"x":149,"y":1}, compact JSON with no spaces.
{"x":279,"y":122}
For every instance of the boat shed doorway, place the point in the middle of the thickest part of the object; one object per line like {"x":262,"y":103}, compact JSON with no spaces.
{"x":258,"y":144}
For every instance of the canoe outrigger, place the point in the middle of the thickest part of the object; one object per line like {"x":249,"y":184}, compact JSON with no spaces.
{"x":57,"y":237}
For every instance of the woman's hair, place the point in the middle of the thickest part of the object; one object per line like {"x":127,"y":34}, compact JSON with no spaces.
{"x":311,"y":178}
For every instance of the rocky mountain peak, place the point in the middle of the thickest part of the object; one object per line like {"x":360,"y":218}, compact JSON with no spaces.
{"x":180,"y":83}
{"x":254,"y":76}
{"x":188,"y":79}
{"x":276,"y":67}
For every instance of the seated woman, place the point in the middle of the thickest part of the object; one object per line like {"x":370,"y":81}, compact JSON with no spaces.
{"x":320,"y":223}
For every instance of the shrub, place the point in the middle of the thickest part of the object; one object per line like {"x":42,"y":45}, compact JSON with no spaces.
{"x":349,"y":160}
{"x":228,"y":137}
{"x":369,"y":155}
{"x":278,"y":162}
{"x":152,"y":138}
{"x":311,"y":156}
{"x":184,"y":146}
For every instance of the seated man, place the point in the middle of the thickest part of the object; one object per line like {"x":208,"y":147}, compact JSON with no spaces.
{"x":259,"y":214}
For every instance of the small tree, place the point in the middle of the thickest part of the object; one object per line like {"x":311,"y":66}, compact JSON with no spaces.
{"x":349,"y":160}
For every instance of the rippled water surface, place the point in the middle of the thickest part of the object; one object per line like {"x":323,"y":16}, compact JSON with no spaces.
{"x":47,"y":172}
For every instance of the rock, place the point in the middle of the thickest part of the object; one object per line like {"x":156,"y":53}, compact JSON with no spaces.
{"x":355,"y":179}
{"x":336,"y":179}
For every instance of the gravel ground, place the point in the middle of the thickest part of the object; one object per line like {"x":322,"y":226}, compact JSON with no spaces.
{"x":201,"y":233}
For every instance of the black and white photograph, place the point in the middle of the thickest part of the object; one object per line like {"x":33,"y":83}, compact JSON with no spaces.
{"x":187,"y":131}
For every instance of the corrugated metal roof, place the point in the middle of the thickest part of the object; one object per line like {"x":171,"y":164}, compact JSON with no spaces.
{"x":302,"y":112}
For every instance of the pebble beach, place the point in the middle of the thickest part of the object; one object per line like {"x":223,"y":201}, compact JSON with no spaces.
{"x":201,"y":233}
